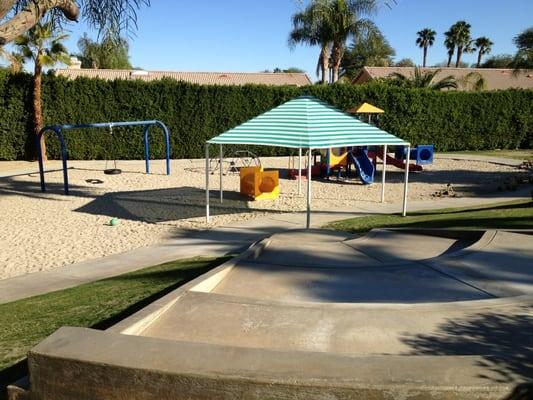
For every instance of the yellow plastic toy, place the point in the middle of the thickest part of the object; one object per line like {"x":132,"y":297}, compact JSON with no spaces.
{"x":259,"y":184}
{"x":338,"y":157}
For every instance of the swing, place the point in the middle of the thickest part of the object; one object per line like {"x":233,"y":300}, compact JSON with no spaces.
{"x":114,"y":170}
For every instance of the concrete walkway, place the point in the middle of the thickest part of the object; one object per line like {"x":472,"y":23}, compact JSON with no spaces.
{"x":214,"y":242}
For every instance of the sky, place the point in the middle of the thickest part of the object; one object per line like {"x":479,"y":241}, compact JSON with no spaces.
{"x":251,"y":35}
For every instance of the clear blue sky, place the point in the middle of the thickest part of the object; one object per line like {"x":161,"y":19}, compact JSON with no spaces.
{"x":251,"y":35}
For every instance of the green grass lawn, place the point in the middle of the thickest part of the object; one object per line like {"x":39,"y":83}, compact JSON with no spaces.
{"x":98,"y":304}
{"x":522,"y":154}
{"x":508,"y":215}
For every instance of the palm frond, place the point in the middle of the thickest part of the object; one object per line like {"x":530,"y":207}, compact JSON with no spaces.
{"x":447,"y":82}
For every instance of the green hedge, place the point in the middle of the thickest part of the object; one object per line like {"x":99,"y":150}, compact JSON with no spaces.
{"x":450,"y":120}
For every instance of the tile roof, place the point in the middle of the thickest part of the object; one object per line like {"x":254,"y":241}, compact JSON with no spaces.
{"x":200,"y":78}
{"x":496,"y":78}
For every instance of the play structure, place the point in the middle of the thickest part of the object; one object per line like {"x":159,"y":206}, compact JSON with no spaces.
{"x":360,"y":161}
{"x":313,"y":126}
{"x":367,"y":109}
{"x":341,"y":160}
{"x":58,"y":130}
{"x":259,"y":184}
{"x":234,"y":162}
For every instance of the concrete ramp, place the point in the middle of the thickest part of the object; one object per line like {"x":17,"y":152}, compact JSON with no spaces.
{"x":403,"y":283}
{"x":503,"y":266}
{"x":393,"y":245}
{"x":407,"y":315}
{"x":334,"y":328}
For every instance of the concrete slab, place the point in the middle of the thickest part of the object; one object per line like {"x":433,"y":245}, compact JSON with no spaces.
{"x":504,"y":266}
{"x":85,"y":364}
{"x":324,"y":321}
{"x":393,"y":246}
{"x":298,"y":253}
{"x":406,"y":283}
{"x":349,"y":329}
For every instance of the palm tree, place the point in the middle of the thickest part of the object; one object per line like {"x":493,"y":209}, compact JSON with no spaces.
{"x":474,"y":80}
{"x":523,"y":59}
{"x":483,"y":45}
{"x":420,"y":79}
{"x":110,"y":53}
{"x":19,"y":16}
{"x":450,"y":46}
{"x":341,"y":20}
{"x":44,"y":48}
{"x":426,"y":38}
{"x":14,"y":59}
{"x":308,"y":30}
{"x":460,"y":37}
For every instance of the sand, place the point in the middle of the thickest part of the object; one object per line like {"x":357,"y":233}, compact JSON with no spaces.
{"x":41,"y":231}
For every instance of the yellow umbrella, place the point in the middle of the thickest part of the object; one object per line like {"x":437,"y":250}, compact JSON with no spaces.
{"x":366,"y":108}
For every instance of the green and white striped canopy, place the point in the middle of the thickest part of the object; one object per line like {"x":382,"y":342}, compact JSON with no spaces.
{"x":306,"y":122}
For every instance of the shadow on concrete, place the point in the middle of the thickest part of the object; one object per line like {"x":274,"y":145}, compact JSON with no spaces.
{"x":524,"y":391}
{"x":326,"y":274}
{"x":504,"y":341}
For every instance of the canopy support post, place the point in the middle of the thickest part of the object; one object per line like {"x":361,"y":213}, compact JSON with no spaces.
{"x":300,"y":171}
{"x":383,"y":172}
{"x":220,"y":160}
{"x":207,"y":182}
{"x":404,"y":211}
{"x":308,"y":221}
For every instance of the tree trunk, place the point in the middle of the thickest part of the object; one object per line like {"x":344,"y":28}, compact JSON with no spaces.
{"x":425,"y":56}
{"x":337,"y":53}
{"x":26,"y":18}
{"x":37,"y":104}
{"x":450,"y":55}
{"x":6,"y":6}
{"x":459,"y":55}
{"x":478,"y":59}
{"x":324,"y":63}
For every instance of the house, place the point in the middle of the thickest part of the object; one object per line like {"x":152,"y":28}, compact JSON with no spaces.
{"x":495,"y":78}
{"x":200,"y":78}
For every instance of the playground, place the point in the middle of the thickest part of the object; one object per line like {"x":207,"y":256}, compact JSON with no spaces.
{"x":301,"y":313}
{"x":61,"y":230}
{"x":70,"y":211}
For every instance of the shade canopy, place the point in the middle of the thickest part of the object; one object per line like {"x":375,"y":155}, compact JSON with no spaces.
{"x":366,"y":108}
{"x":309,"y":123}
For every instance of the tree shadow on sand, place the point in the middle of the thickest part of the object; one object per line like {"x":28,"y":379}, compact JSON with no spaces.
{"x":162,"y":205}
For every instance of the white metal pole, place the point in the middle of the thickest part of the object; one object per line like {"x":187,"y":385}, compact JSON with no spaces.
{"x":308,"y":222}
{"x":404,"y":211}
{"x":207,"y":182}
{"x":300,"y":171}
{"x":383,"y":172}
{"x":220,"y":160}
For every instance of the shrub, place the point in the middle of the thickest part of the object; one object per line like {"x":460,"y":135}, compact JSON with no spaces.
{"x":193,"y":113}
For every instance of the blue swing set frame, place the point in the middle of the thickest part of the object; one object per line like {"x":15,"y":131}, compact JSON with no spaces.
{"x":58,"y":130}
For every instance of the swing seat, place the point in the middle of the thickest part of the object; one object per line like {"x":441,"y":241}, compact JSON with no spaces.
{"x":112,"y":171}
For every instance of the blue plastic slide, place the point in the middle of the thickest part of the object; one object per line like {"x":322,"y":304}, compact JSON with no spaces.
{"x":364,"y":166}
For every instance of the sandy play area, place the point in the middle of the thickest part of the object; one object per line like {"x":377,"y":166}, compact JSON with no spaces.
{"x":41,"y":231}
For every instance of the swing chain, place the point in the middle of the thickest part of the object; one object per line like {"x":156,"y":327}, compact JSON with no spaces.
{"x":111,"y":137}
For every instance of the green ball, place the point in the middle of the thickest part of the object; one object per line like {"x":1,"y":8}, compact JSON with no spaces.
{"x":113,"y":222}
